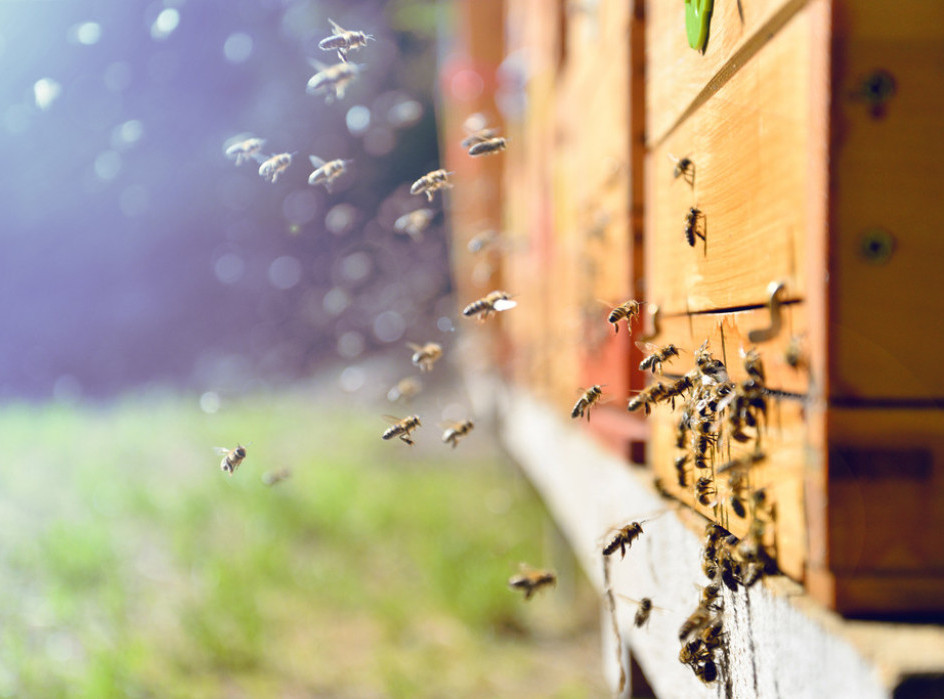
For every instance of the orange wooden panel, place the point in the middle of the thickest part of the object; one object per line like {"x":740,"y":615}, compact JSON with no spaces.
{"x":678,"y":75}
{"x":888,"y":159}
{"x":749,"y":143}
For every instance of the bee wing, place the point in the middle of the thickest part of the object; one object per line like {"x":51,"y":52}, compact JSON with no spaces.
{"x":474,"y":122}
{"x":647,"y":347}
{"x":221,"y":450}
{"x":392,"y":419}
{"x":317,"y":65}
{"x":316,"y":162}
{"x":504,"y":304}
{"x":335,"y":27}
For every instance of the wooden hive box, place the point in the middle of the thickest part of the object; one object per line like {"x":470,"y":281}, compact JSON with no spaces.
{"x":814,"y":129}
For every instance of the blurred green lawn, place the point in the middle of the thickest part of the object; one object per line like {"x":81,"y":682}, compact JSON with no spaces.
{"x":131,"y":566}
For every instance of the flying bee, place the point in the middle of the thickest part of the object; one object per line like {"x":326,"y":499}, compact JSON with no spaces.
{"x":589,"y":397}
{"x":492,"y":302}
{"x":531,"y":580}
{"x":405,"y":389}
{"x":684,"y":167}
{"x":232,"y":458}
{"x":343,"y":40}
{"x":327,"y":172}
{"x":681,"y":472}
{"x":275,"y":166}
{"x":643,"y":610}
{"x":270,"y":478}
{"x":431,"y":182}
{"x":489,"y":146}
{"x":457,"y":431}
{"x":691,"y":225}
{"x":402,"y":428}
{"x":414,"y":223}
{"x":704,"y":489}
{"x":483,"y":241}
{"x":657,"y":355}
{"x":424,"y":356}
{"x":476,"y":130}
{"x":628,"y":310}
{"x":647,"y":397}
{"x":246,"y":149}
{"x":623,"y":539}
{"x":332,"y":81}
{"x":677,"y":388}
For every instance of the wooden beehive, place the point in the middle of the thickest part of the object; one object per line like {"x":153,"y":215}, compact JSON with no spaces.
{"x":814,"y":131}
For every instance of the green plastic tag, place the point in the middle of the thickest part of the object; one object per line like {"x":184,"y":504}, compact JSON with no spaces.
{"x":697,"y":17}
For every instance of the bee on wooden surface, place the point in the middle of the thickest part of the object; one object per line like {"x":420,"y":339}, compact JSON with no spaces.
{"x":489,"y":146}
{"x":713,"y":370}
{"x":401,"y":428}
{"x":681,"y":470}
{"x":742,"y":463}
{"x":730,"y":569}
{"x":477,"y":131}
{"x":628,"y":310}
{"x":246,"y":149}
{"x":691,"y":225}
{"x":232,"y":458}
{"x":583,"y":404}
{"x":327,"y":172}
{"x":754,"y":366}
{"x":696,"y":621}
{"x":794,"y":354}
{"x":683,"y":427}
{"x":404,"y":389}
{"x":431,"y":182}
{"x":684,"y":167}
{"x":457,"y":431}
{"x":737,"y":484}
{"x":270,"y":478}
{"x":275,"y":166}
{"x":704,"y":489}
{"x":709,"y":596}
{"x":424,"y":356}
{"x":414,"y":223}
{"x":531,"y":580}
{"x":707,"y":671}
{"x":343,"y":40}
{"x":493,"y":302}
{"x":678,"y":388}
{"x":332,"y":81}
{"x":623,"y":539}
{"x":656,"y":357}
{"x":701,"y":449}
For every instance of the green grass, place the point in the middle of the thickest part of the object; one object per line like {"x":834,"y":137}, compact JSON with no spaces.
{"x":131,"y":566}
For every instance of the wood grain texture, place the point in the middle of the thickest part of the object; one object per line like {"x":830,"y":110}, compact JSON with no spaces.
{"x":888,"y":171}
{"x":749,"y":145}
{"x":679,"y":75}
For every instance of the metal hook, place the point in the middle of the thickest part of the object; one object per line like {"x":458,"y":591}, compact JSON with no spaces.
{"x":774,"y":291}
{"x":653,"y":311}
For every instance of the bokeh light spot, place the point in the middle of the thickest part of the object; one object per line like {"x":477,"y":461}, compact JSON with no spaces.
{"x":237,"y":47}
{"x":229,"y":268}
{"x":210,"y":402}
{"x":389,"y":326}
{"x":350,"y":344}
{"x":340,"y":218}
{"x":45,"y":92}
{"x":336,"y":300}
{"x":165,"y":23}
{"x":107,"y":165}
{"x":285,"y":272}
{"x":405,"y":113}
{"x":355,"y":266}
{"x":352,"y":378}
{"x":126,"y":134}
{"x":300,"y":206}
{"x":85,"y":33}
{"x":357,"y":119}
{"x":466,"y":85}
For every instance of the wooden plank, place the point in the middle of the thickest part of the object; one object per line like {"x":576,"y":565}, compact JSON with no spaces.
{"x":749,"y":144}
{"x":888,"y":167}
{"x":678,"y":75}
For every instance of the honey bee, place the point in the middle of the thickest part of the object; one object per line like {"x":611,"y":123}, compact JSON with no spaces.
{"x":742,"y":463}
{"x":424,"y":356}
{"x":704,"y":489}
{"x":232,"y":458}
{"x":275,"y":166}
{"x":754,"y":366}
{"x":691,"y":225}
{"x":681,"y":472}
{"x":696,"y":621}
{"x":730,"y":570}
{"x":793,"y":355}
{"x":457,"y":431}
{"x":493,"y":302}
{"x":656,"y":357}
{"x":246,"y":149}
{"x":405,"y":389}
{"x":531,"y":580}
{"x":476,"y":130}
{"x":270,"y":478}
{"x":343,"y":40}
{"x":647,"y":397}
{"x":431,"y":182}
{"x":684,"y":167}
{"x":623,"y":539}
{"x":701,"y":446}
{"x":414,"y":223}
{"x":643,"y":613}
{"x":589,"y":397}
{"x":402,"y":428}
{"x":628,"y":310}
{"x":483,"y":241}
{"x":710,"y":368}
{"x":488,"y":146}
{"x":737,"y":484}
{"x":327,"y":172}
{"x":706,"y":671}
{"x":332,"y":81}
{"x":677,"y":388}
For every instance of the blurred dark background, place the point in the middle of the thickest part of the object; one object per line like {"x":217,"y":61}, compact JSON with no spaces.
{"x":132,"y":251}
